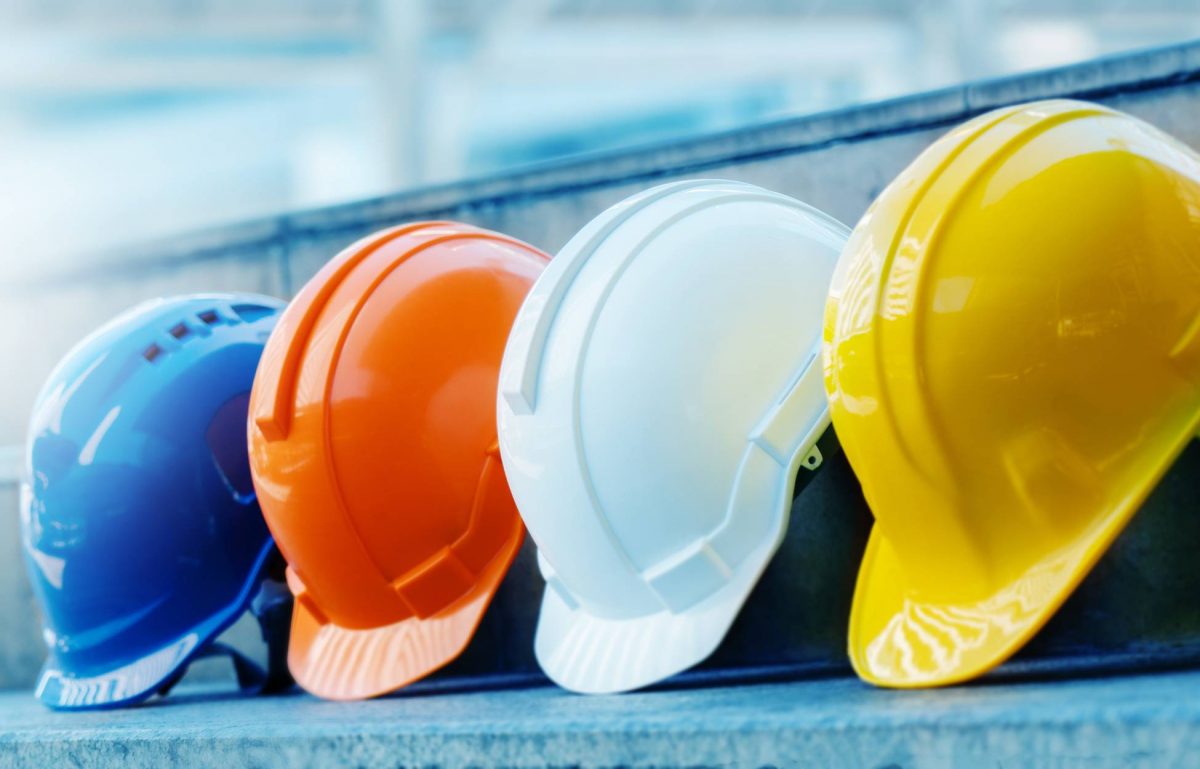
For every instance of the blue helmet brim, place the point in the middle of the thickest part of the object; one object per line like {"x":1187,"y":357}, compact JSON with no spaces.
{"x":135,"y":681}
{"x":59,"y":688}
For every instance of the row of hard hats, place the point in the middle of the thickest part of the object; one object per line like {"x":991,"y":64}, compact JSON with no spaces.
{"x":1010,"y":357}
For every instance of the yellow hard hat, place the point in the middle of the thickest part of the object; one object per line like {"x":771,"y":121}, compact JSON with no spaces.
{"x":1012,"y":355}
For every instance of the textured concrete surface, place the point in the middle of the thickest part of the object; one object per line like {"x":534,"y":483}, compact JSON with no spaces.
{"x":1150,"y":722}
{"x":1136,"y":610}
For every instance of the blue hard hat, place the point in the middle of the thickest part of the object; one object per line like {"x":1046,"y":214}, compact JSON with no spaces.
{"x":142,"y":535}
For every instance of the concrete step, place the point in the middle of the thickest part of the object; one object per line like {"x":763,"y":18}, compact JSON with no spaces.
{"x":1137,"y":606}
{"x":1134,"y":722}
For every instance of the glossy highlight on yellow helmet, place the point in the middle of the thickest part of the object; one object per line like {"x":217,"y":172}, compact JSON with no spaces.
{"x":1012,"y":355}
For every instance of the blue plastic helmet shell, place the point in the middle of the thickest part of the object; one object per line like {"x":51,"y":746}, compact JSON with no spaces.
{"x":141,"y":532}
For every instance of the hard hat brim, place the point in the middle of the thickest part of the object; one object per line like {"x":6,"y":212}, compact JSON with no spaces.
{"x":967,"y":639}
{"x":338,"y":663}
{"x":964,"y":640}
{"x":588,"y":654}
{"x":61,"y":688}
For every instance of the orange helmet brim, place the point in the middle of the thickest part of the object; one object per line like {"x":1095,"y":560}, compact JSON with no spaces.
{"x":339,"y":663}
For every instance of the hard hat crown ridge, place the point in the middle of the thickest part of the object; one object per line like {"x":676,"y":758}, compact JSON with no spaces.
{"x":972,"y":334}
{"x":273,"y":416}
{"x":660,"y":388}
{"x":373,"y":446}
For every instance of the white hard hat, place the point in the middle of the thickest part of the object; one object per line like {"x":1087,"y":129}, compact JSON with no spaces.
{"x":661,"y":387}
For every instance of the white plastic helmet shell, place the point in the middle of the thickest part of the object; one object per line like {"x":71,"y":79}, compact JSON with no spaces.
{"x":661,"y":387}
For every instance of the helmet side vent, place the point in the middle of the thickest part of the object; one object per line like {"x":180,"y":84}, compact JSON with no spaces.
{"x":152,"y":352}
{"x":252,"y":312}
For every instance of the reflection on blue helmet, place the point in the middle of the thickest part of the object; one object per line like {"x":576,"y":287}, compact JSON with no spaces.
{"x":141,"y":532}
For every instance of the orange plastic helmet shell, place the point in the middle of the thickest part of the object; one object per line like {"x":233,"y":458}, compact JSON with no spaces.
{"x":373,"y":448}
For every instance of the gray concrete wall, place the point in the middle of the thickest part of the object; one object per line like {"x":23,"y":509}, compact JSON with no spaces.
{"x":836,"y":161}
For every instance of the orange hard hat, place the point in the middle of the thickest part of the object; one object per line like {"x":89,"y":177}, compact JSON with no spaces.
{"x":373,"y":447}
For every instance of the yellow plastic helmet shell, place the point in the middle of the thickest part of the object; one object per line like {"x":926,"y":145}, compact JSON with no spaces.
{"x":1012,"y":356}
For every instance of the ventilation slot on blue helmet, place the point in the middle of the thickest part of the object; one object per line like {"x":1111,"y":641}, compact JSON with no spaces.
{"x":152,"y":352}
{"x":252,"y":312}
{"x":180,"y":331}
{"x":209,"y":317}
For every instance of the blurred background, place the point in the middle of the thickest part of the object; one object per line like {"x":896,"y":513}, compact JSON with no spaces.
{"x":127,"y":120}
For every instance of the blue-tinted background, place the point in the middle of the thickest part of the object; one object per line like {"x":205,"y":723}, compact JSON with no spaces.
{"x":122,"y":120}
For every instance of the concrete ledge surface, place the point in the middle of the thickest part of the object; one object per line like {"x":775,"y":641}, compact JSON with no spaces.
{"x":1125,"y":721}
